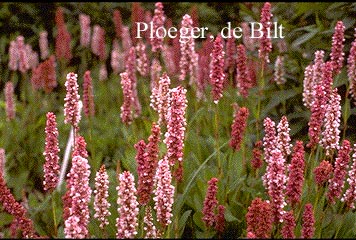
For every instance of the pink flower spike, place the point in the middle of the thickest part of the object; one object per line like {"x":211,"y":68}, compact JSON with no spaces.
{"x":80,"y":147}
{"x":127,"y":222}
{"x":256,"y":161}
{"x":126,"y":111}
{"x":71,"y":101}
{"x":63,"y":37}
{"x":244,"y":82}
{"x":238,"y":127}
{"x":144,"y":181}
{"x":220,"y":219}
{"x":337,"y":49}
{"x":283,"y":137}
{"x":14,"y":208}
{"x":13,"y":56}
{"x":98,"y":46}
{"x":269,"y":143}
{"x":276,"y":177}
{"x":331,"y":133}
{"x":259,"y":219}
{"x":9,"y":101}
{"x":351,"y":69}
{"x":210,"y":203}
{"x":130,"y":67}
{"x":150,"y":228}
{"x":279,"y":71}
{"x":308,"y":86}
{"x":117,"y":19}
{"x":142,"y":62}
{"x":101,"y":194}
{"x":85,"y":30}
{"x":43,"y":42}
{"x":230,"y":62}
{"x":88,"y":95}
{"x":117,"y":58}
{"x":160,"y":98}
{"x":296,"y":175}
{"x":158,"y":21}
{"x":308,"y":222}
{"x":318,"y":67}
{"x":103,"y":72}
{"x":76,"y":225}
{"x":288,"y":225}
{"x":2,"y":162}
{"x":176,"y":126}
{"x":217,"y":75}
{"x":126,"y":39}
{"x":317,"y":114}
{"x":322,"y":173}
{"x":188,"y":56}
{"x":337,"y":183}
{"x":51,"y":167}
{"x":24,"y":64}
{"x":163,"y":193}
{"x":349,"y":196}
{"x":265,"y":41}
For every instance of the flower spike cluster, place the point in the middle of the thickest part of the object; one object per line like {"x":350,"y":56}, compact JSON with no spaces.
{"x":76,"y":225}
{"x":259,"y":219}
{"x":210,"y":203}
{"x":337,"y":53}
{"x":51,"y":167}
{"x":71,"y":101}
{"x":101,"y":194}
{"x":238,"y":128}
{"x":350,"y":195}
{"x":265,"y":41}
{"x":164,"y":192}
{"x":336,"y":183}
{"x":158,"y":21}
{"x":217,"y":75}
{"x":176,"y":124}
{"x":127,"y":222}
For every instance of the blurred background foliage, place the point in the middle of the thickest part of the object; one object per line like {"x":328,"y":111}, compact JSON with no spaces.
{"x":308,"y":27}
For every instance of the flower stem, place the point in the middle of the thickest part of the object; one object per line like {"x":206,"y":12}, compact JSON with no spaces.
{"x":54,"y":215}
{"x":217,"y":139}
{"x":261,"y":86}
{"x":91,"y":141}
{"x":346,"y":113}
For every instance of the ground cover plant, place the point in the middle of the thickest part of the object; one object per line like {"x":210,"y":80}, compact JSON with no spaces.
{"x":107,"y":135}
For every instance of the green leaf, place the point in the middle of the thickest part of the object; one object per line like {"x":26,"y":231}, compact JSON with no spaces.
{"x":5,"y":219}
{"x":182,"y":221}
{"x":304,"y":38}
{"x":229,"y":216}
{"x":277,"y":98}
{"x":197,"y":218}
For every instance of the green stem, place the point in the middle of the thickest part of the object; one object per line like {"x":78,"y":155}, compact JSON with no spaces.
{"x":54,"y":215}
{"x":321,"y":217}
{"x":318,"y":194}
{"x":168,"y":232}
{"x":261,"y":86}
{"x":176,"y":227}
{"x":91,"y":141}
{"x":337,"y":231}
{"x":284,"y":110}
{"x":142,"y":222}
{"x":73,"y":127}
{"x":346,"y":113}
{"x":244,"y":162}
{"x":217,"y":139}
